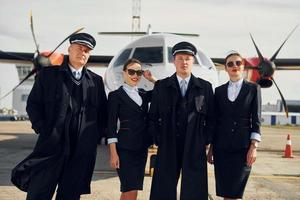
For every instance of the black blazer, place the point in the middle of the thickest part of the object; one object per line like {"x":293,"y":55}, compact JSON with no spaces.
{"x":132,"y":133}
{"x":237,"y":120}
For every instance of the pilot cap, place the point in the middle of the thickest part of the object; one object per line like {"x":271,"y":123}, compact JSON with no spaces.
{"x":83,"y":39}
{"x":185,"y":48}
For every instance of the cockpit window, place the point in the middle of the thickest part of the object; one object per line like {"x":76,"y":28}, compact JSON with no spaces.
{"x":122,"y":57}
{"x":149,"y":54}
{"x":171,"y":58}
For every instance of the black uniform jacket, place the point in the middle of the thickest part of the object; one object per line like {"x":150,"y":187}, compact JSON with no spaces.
{"x":237,"y":120}
{"x":162,"y":125}
{"x":132,"y":133}
{"x":48,"y":107}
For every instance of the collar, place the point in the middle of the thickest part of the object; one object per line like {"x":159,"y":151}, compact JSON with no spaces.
{"x":130,"y":88}
{"x":194,"y":81}
{"x":75,"y":70}
{"x":236,"y":83}
{"x":65,"y":66}
{"x":187,"y":79}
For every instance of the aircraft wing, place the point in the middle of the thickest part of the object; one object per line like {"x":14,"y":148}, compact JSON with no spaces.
{"x":16,"y":57}
{"x":99,"y":61}
{"x":281,"y":63}
{"x":103,"y":60}
{"x":26,"y":58}
{"x":287,"y":64}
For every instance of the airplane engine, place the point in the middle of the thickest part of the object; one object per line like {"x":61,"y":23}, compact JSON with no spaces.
{"x":256,"y":73}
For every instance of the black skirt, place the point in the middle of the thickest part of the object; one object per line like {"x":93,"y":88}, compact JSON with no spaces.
{"x":231,"y":172}
{"x":132,"y":169}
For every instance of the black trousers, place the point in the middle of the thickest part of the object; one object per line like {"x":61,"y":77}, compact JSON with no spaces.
{"x":43,"y":184}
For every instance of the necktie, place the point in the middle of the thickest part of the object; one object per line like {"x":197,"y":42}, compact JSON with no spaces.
{"x":183,"y":87}
{"x":76,"y":74}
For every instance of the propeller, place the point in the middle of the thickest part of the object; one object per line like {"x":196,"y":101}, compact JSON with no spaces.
{"x":282,"y":98}
{"x":267,"y":67}
{"x":39,"y":60}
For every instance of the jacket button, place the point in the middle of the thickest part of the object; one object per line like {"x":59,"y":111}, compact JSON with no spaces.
{"x":232,"y":130}
{"x":234,"y":123}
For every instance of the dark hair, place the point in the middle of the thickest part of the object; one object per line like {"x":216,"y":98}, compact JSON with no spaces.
{"x":131,"y":61}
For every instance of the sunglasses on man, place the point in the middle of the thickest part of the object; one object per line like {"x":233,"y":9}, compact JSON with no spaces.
{"x":234,"y":63}
{"x":131,"y":72}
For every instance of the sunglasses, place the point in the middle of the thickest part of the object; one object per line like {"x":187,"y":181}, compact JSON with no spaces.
{"x":131,"y":72}
{"x":234,"y":63}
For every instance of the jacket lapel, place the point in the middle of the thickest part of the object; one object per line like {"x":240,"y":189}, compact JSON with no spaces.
{"x":244,"y":91}
{"x":174,"y":89}
{"x":87,"y":83}
{"x":224,"y":90}
{"x":66,"y":76}
{"x":193,"y":84}
{"x":124,"y":96}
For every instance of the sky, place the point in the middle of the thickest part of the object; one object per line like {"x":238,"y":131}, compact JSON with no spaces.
{"x":222,"y":24}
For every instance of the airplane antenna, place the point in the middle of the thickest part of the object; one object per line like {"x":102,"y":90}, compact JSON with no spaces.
{"x":136,"y":18}
{"x":149,"y":30}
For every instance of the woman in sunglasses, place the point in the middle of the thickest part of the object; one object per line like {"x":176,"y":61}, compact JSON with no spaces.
{"x":128,"y":145}
{"x":237,"y":106}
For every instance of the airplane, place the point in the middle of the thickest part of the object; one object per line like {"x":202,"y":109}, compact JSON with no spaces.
{"x":154,"y":51}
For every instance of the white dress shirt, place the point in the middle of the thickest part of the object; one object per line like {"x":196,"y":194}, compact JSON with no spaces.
{"x":78,"y":72}
{"x":133,"y":93}
{"x":187,"y":79}
{"x":234,"y":89}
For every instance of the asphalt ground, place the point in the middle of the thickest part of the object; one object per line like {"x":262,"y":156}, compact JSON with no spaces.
{"x":272,"y":177}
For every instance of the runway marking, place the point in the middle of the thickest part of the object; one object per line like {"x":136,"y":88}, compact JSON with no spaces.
{"x":272,"y":176}
{"x":276,"y":176}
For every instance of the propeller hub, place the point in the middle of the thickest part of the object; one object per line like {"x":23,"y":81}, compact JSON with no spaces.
{"x":41,"y":61}
{"x":266,"y":68}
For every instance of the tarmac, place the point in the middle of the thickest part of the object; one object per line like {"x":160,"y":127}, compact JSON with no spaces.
{"x":272,"y":176}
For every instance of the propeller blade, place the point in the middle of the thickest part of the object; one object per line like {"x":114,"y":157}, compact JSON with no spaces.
{"x":32,"y":32}
{"x":261,"y":58}
{"x":29,"y":75}
{"x":289,"y":35}
{"x":16,"y":56}
{"x":282,"y":98}
{"x":65,"y":40}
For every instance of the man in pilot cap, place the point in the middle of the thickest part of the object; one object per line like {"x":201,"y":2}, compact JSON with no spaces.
{"x":67,"y":109}
{"x":181,"y":121}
